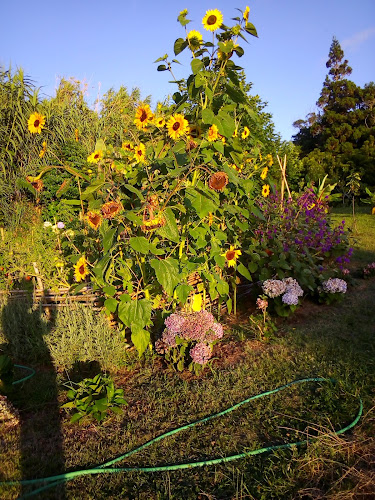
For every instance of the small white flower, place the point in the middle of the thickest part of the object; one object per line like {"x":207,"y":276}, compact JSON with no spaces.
{"x":47,"y":223}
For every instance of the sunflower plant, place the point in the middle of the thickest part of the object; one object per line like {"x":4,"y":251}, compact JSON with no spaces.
{"x":179,"y":195}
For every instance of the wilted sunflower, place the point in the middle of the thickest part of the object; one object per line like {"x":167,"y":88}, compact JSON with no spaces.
{"x":36,"y":123}
{"x":213,"y":133}
{"x":81,"y":269}
{"x":195,"y":131}
{"x":218,"y":181}
{"x":95,"y":156}
{"x":231,"y":256}
{"x":265,"y":190}
{"x":94,"y":219}
{"x":143,"y":116}
{"x":264,"y":173}
{"x":111,"y":209}
{"x":128,"y":146}
{"x":152,"y":224}
{"x":36,"y":183}
{"x":246,"y":13}
{"x":177,"y":126}
{"x":212,"y":20}
{"x":140,"y":153}
{"x":245,"y":133}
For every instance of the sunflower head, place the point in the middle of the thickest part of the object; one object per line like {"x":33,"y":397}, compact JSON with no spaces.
{"x":264,"y":173}
{"x":81,"y":269}
{"x":265,"y":190}
{"x":36,"y":183}
{"x":245,"y":133}
{"x":143,"y":116}
{"x":213,"y":133}
{"x":177,"y":126}
{"x":95,"y":157}
{"x":36,"y":123}
{"x":140,"y":153}
{"x":94,"y":219}
{"x":111,"y":209}
{"x":159,"y":122}
{"x":246,"y":13}
{"x":218,"y":181}
{"x":127,"y":146}
{"x":231,"y":256}
{"x":195,"y":39}
{"x":212,"y":20}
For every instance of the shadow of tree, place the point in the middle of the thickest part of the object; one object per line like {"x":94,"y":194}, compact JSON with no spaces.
{"x":41,"y":444}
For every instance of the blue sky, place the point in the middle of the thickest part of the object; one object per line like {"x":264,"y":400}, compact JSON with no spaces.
{"x":114,"y":43}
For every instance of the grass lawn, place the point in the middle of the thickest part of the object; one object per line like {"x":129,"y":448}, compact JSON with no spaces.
{"x":336,"y":341}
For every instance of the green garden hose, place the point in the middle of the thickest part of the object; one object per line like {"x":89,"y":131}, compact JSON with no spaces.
{"x":31,"y":374}
{"x":106,"y":469}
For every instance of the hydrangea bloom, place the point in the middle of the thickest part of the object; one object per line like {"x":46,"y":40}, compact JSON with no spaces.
{"x":201,"y":353}
{"x":274,"y":288}
{"x":289,"y":298}
{"x":334,"y":285}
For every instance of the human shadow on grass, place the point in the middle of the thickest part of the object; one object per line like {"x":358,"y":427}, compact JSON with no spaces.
{"x":41,"y":443}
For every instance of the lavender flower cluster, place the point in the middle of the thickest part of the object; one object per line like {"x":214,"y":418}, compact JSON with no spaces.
{"x":288,"y":289}
{"x":199,"y":327}
{"x":334,"y":285}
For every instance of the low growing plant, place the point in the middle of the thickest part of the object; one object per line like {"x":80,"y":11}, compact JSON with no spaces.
{"x":262,"y":323}
{"x":285,"y":293}
{"x":332,"y":290}
{"x":94,"y":397}
{"x":6,"y":373}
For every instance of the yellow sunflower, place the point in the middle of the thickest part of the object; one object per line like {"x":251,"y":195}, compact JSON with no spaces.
{"x":270,"y":160}
{"x":127,"y":146}
{"x":140,"y":153}
{"x":246,"y":13}
{"x":212,"y":20}
{"x":231,"y":256}
{"x":94,"y":219}
{"x":265,"y":190}
{"x":143,"y":116}
{"x":159,"y":122}
{"x":195,"y":39}
{"x":43,"y":150}
{"x":264,"y":173}
{"x":213,"y":133}
{"x":36,"y":123}
{"x":81,"y":269}
{"x":245,"y":133}
{"x":95,"y":156}
{"x":177,"y":126}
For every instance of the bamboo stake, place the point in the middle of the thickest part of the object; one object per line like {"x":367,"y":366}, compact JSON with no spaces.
{"x":283,"y":180}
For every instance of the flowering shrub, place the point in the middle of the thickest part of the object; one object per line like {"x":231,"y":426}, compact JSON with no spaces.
{"x":295,"y":236}
{"x":369,"y":270}
{"x":332,"y":290}
{"x":262,"y":323}
{"x":188,"y":339}
{"x":286,"y":293}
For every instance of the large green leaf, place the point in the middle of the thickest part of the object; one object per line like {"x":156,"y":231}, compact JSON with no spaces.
{"x":208,"y":116}
{"x":140,"y":338}
{"x":108,"y":239}
{"x":200,"y":201}
{"x":135,"y":312}
{"x":170,"y":229}
{"x":140,"y":244}
{"x":167,"y":273}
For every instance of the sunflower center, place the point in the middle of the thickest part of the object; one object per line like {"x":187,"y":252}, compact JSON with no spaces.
{"x":176,"y":126}
{"x":96,"y":156}
{"x":211,"y":20}
{"x":143,"y":116}
{"x":94,"y":219}
{"x":81,"y":269}
{"x":230,"y":255}
{"x":36,"y":123}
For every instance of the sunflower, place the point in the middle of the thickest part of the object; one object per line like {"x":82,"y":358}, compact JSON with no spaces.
{"x":235,"y":133}
{"x":213,"y":133}
{"x":177,"y":126}
{"x":264,"y":173}
{"x":127,"y":146}
{"x":94,"y":219}
{"x":95,"y":156}
{"x":195,"y":131}
{"x":270,"y":160}
{"x":159,"y":122}
{"x":246,"y":13}
{"x":43,"y":150}
{"x":152,"y":224}
{"x":245,"y":133}
{"x":143,"y":116}
{"x":195,"y":39}
{"x":36,"y":183}
{"x":140,"y":153}
{"x":218,"y":181}
{"x":265,"y":190}
{"x":231,"y":256}
{"x":212,"y":20}
{"x":111,"y":209}
{"x":36,"y":123}
{"x":81,"y":269}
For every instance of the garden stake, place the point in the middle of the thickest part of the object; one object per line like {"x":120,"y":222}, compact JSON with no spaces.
{"x":107,"y":469}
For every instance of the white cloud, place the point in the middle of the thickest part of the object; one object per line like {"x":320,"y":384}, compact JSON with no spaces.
{"x":356,"y":40}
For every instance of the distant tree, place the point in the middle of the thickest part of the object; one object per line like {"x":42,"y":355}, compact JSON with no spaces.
{"x":339,"y":139}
